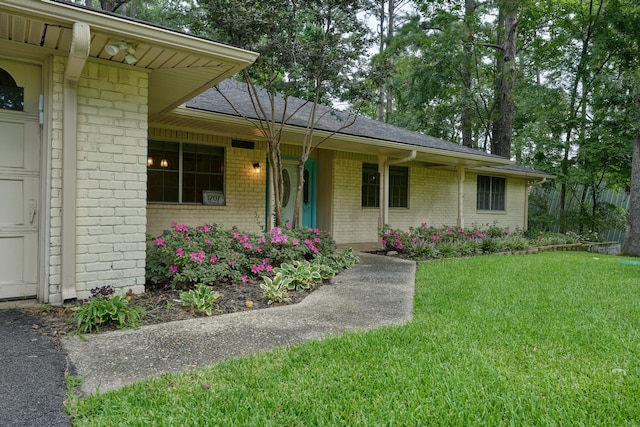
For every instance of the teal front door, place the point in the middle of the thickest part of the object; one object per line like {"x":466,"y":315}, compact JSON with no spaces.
{"x":290,"y":181}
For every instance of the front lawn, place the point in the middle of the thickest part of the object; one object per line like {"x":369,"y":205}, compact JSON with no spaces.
{"x":546,"y":339}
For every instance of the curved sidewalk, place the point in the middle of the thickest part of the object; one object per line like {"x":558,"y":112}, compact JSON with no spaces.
{"x":376,"y":292}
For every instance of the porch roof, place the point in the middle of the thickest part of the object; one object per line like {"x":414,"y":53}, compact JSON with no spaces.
{"x":180,"y":66}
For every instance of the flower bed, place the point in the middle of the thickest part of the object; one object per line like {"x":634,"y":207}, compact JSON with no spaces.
{"x":427,"y":242}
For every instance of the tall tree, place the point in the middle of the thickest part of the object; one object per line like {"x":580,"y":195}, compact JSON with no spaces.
{"x":308,"y":49}
{"x":625,"y":18}
{"x":505,"y":78}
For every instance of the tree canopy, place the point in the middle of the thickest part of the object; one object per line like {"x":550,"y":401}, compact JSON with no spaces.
{"x":553,"y":85}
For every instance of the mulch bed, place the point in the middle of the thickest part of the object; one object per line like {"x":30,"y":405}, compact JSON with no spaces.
{"x":164,"y":305}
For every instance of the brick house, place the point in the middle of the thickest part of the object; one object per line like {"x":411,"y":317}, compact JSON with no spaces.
{"x":427,"y":179}
{"x":109,"y":131}
{"x":78,"y":90}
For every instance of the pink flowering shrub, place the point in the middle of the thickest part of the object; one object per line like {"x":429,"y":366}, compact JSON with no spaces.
{"x":184,"y":255}
{"x":425,"y":242}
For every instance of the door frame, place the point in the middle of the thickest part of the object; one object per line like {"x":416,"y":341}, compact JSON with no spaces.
{"x":308,"y":219}
{"x":34,"y":56}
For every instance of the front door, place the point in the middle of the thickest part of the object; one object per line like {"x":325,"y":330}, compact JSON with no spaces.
{"x":20,"y":140}
{"x":290,"y":181}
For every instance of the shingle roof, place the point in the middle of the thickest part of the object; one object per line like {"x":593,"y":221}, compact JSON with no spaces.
{"x":329,"y":120}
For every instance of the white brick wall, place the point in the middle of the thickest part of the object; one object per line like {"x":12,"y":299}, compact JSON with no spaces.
{"x":111,"y":179}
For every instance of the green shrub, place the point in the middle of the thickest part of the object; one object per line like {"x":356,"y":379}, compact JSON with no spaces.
{"x":303,"y":274}
{"x":185,"y":256}
{"x":276,"y":289}
{"x":517,"y":243}
{"x":448,"y":250}
{"x":101,"y":310}
{"x":333,"y":263}
{"x":202,"y":298}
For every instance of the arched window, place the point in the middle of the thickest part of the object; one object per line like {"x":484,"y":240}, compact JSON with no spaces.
{"x":11,"y":96}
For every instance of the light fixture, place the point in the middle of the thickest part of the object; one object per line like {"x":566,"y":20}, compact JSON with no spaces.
{"x":256,"y":167}
{"x":113,"y":49}
{"x":164,"y":163}
{"x":149,"y":161}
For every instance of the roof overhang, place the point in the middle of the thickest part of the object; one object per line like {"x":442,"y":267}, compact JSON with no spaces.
{"x":180,"y":66}
{"x":529,"y":174}
{"x":189,"y":119}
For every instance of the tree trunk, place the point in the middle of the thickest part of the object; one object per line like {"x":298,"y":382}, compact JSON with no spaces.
{"x":631,"y":244}
{"x":388,"y":89}
{"x":503,"y":132}
{"x":467,"y":81}
{"x":381,"y":47}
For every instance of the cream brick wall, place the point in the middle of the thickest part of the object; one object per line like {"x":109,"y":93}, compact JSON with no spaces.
{"x":111,"y":179}
{"x":55,"y":190}
{"x":433,"y":198}
{"x":512,"y":217}
{"x":245,"y":191}
{"x":351,"y":222}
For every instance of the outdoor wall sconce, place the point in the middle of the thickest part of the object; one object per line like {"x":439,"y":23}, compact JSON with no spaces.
{"x":256,"y":167}
{"x":130,"y":57}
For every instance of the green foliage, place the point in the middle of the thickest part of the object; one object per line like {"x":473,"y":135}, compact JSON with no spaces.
{"x":333,"y":263}
{"x":488,"y":345}
{"x":276,"y":289}
{"x":303,"y":275}
{"x":425,"y":242}
{"x":202,"y":298}
{"x":186,"y":256}
{"x":102,"y":310}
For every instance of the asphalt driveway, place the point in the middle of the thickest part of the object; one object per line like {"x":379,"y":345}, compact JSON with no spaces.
{"x":32,"y":374}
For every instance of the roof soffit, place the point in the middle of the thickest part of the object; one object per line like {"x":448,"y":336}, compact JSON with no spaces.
{"x":180,"y":66}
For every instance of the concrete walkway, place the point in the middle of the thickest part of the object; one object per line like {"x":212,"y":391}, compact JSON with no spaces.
{"x":376,"y":292}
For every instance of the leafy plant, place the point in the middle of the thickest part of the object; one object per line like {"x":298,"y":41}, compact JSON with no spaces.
{"x":101,"y":310}
{"x":334,"y":263}
{"x":202,"y":298}
{"x":185,"y":256}
{"x":303,"y":274}
{"x":276,"y":289}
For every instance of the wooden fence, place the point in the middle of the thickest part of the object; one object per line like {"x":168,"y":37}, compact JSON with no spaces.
{"x":620,"y":199}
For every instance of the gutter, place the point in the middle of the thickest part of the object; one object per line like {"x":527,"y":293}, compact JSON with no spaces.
{"x":384,"y":189}
{"x":80,"y":44}
{"x":533,"y":184}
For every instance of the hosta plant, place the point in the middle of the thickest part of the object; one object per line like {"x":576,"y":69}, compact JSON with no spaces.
{"x":303,"y":274}
{"x":202,"y":298}
{"x":276,"y":289}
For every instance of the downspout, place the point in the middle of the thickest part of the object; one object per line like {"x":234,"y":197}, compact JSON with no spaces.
{"x":384,"y":192}
{"x":80,"y":43}
{"x":460,"y":173}
{"x":526,"y":201}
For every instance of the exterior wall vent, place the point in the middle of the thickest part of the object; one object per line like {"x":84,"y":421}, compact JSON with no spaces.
{"x":237,"y":143}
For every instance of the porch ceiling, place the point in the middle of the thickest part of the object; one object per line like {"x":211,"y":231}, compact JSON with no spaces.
{"x":180,"y":66}
{"x":190,"y":120}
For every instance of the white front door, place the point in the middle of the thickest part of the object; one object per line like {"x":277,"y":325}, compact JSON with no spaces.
{"x":20,"y":141}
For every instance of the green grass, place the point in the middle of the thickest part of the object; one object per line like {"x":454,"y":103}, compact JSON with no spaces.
{"x":540,"y":340}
